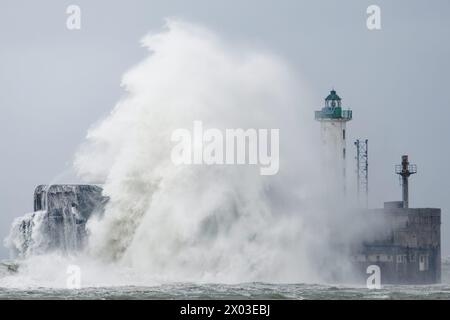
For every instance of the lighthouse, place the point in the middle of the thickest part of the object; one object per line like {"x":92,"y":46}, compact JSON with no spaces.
{"x":333,"y":119}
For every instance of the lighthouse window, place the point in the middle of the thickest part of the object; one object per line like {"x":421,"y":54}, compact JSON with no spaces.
{"x":343,"y":134}
{"x":343,"y":153}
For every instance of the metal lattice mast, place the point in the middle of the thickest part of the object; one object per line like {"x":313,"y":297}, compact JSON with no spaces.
{"x":362,"y":170}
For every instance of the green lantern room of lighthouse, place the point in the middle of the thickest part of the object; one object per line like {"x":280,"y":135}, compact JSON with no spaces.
{"x":333,"y":110}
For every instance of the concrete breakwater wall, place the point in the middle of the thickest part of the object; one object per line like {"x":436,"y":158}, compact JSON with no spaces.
{"x":58,"y":222}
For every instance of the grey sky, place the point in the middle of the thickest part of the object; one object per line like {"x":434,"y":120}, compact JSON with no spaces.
{"x":55,"y":83}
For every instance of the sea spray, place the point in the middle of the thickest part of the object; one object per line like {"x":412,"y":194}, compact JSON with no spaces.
{"x":204,"y":223}
{"x":27,"y":235}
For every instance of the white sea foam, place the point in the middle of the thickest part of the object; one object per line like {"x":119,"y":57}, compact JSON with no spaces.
{"x":204,"y":223}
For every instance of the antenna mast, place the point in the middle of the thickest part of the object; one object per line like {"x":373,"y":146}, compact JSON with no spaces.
{"x":362,"y":171}
{"x":405,"y":170}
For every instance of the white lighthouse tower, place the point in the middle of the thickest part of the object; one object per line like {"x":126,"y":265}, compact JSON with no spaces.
{"x":333,"y":120}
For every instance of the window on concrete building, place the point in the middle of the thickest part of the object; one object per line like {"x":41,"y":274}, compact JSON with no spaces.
{"x":343,"y":134}
{"x":423,"y":262}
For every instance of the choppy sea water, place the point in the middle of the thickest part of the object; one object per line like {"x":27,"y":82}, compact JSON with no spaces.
{"x":240,"y":291}
{"x":245,"y":291}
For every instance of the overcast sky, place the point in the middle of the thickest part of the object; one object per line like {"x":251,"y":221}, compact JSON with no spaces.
{"x":55,"y":83}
